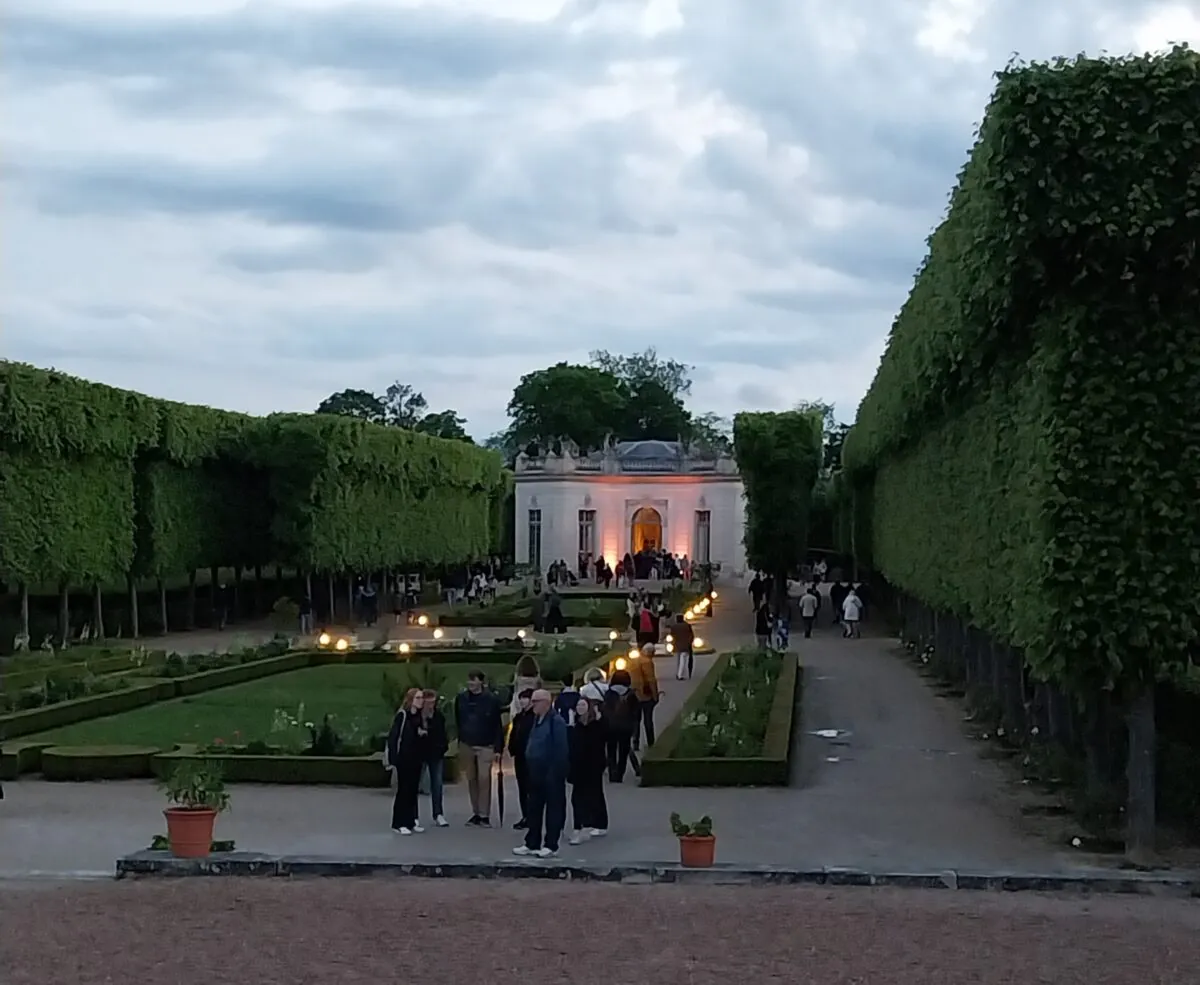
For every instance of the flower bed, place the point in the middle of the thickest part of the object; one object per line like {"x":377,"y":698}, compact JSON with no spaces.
{"x":734,"y":730}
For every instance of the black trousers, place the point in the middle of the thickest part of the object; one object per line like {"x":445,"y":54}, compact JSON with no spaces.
{"x":521,"y":770}
{"x":808,"y":625}
{"x":647,"y":710}
{"x":589,"y":809}
{"x":547,"y":813}
{"x":404,"y":806}
{"x":616,"y":747}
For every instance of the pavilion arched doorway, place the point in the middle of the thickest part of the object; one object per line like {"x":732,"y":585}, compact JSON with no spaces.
{"x":646,"y":530}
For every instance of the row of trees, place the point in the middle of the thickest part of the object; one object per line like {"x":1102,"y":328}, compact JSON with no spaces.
{"x":100,"y":485}
{"x":635,"y":397}
{"x":1027,"y":459}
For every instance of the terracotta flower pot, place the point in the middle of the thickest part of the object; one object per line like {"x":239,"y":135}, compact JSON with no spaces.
{"x":190,"y":830}
{"x":697,"y":851}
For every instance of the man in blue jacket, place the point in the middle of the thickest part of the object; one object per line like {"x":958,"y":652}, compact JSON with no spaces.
{"x":546,"y":759}
{"x":477,"y":712}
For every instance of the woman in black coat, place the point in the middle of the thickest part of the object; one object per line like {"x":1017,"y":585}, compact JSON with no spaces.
{"x":587,"y":739}
{"x":436,"y":747}
{"x":407,"y":752}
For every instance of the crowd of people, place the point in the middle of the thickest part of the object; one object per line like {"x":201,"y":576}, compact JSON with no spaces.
{"x":589,"y":734}
{"x":774,"y":617}
{"x":648,"y":564}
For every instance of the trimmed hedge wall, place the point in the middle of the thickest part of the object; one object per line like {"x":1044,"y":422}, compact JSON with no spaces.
{"x":97,"y":762}
{"x":21,"y":757}
{"x":18,"y":723}
{"x":772,"y":768}
{"x":343,"y":771}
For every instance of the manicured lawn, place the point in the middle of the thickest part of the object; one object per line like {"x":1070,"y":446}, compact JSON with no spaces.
{"x":247,"y":712}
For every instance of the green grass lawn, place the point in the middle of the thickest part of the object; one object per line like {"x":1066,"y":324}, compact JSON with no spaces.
{"x":247,"y":712}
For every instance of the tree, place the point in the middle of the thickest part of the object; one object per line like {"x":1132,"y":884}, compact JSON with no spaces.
{"x":645,"y":368}
{"x":354,"y":403}
{"x":833,"y":432}
{"x":713,"y":433}
{"x":779,"y":457}
{"x":654,"y":391}
{"x":403,"y":406}
{"x":444,"y":424}
{"x":582,"y":403}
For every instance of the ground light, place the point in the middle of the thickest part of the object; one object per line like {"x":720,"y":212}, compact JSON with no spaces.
{"x":713,"y":595}
{"x":438,"y":633}
{"x":520,"y":634}
{"x":324,"y":639}
{"x":612,"y":635}
{"x":404,"y":648}
{"x":670,"y":638}
{"x":422,"y":620}
{"x":621,"y":663}
{"x":697,"y":643}
{"x":689,"y":615}
{"x":342,"y":644}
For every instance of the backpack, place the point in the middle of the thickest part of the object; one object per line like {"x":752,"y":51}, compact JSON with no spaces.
{"x":620,"y":710}
{"x":387,"y":754}
{"x":647,"y":621}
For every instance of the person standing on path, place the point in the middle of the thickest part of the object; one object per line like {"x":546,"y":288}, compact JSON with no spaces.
{"x":810,"y":604}
{"x":407,"y":745}
{"x":306,"y":615}
{"x":623,"y":718}
{"x":567,"y":698}
{"x":547,"y":754}
{"x":756,"y":591}
{"x":684,"y":639}
{"x":837,"y":597}
{"x":478,"y":715}
{"x":645,"y":686}
{"x":435,"y":760}
{"x":851,"y":614}
{"x":518,"y":738}
{"x":762,"y":625}
{"x":586,"y":742}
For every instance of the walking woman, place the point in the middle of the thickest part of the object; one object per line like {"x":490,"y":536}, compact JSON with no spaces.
{"x":588,"y":760}
{"x":407,"y":745}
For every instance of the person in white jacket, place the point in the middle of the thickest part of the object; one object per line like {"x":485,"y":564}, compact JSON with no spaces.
{"x":851,"y":615}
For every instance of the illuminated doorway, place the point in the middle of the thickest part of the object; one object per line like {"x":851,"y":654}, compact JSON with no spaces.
{"x":646,"y":529}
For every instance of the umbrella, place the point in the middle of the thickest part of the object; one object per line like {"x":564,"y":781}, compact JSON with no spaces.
{"x":500,"y":787}
{"x":635,"y":763}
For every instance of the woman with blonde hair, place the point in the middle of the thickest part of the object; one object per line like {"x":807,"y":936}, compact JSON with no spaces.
{"x":407,"y":753}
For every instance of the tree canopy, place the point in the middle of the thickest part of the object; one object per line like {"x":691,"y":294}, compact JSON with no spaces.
{"x":636,"y":397}
{"x":401,"y":406}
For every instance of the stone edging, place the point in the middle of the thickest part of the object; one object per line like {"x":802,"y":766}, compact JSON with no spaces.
{"x":164,"y":865}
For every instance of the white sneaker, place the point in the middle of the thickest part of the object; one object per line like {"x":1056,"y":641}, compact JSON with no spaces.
{"x":545,"y":853}
{"x":598,"y":832}
{"x":576,"y":839}
{"x":404,"y":831}
{"x":523,"y":851}
{"x":417,"y":829}
{"x":441,"y":821}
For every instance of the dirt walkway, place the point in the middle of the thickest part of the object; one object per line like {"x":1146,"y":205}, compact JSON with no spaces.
{"x":220,"y":932}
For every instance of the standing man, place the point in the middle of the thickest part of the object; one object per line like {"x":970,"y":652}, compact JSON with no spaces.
{"x":547,"y":758}
{"x":480,"y":744}
{"x":851,"y":614}
{"x":756,"y":590}
{"x":810,"y":602}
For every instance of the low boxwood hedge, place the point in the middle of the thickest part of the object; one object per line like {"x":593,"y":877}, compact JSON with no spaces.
{"x":208,"y":680}
{"x":342,"y":771}
{"x":97,"y":762}
{"x":662,"y":768}
{"x":21,"y":757}
{"x":49,"y":717}
{"x":434,"y":654}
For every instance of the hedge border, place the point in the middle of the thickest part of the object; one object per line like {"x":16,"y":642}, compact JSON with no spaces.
{"x":772,"y":769}
{"x":21,"y":757}
{"x":115,"y":762}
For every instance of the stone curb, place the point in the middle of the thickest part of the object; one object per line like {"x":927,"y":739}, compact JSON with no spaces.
{"x":164,"y":865}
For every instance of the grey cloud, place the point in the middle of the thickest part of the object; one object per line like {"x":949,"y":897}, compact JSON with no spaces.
{"x":755,"y":396}
{"x":339,"y":255}
{"x":427,"y":48}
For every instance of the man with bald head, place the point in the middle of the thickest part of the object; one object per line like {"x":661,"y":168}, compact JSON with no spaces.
{"x":546,"y":758}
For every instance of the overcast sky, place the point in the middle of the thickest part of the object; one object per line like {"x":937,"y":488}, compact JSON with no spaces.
{"x":251,"y":205}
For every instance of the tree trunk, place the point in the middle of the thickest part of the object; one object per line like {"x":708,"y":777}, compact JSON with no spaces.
{"x":25,"y":613}
{"x":64,"y":614}
{"x":236,"y":608}
{"x":162,"y":606}
{"x":350,"y":600}
{"x":308,"y":585}
{"x":97,"y":612}
{"x":134,"y":623}
{"x":190,"y":621}
{"x":258,"y":599}
{"x":1140,"y":808}
{"x":279,"y":577}
{"x":214,"y":592}
{"x":332,"y":607}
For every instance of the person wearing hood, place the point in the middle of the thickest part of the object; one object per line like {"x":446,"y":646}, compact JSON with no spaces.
{"x":407,"y":753}
{"x":518,"y":738}
{"x":586,"y":740}
{"x":567,"y":698}
{"x":622,"y":718}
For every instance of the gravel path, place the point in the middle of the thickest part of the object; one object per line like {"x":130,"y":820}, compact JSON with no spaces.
{"x":199,"y":932}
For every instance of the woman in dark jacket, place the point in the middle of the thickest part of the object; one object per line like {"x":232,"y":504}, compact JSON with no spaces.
{"x":438,"y":744}
{"x":407,"y":743}
{"x":588,"y":760}
{"x":518,"y":737}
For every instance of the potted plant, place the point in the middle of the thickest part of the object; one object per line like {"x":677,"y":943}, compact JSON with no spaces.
{"x":197,"y":795}
{"x":697,"y":843}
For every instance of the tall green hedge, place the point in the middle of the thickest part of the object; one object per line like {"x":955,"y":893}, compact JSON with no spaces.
{"x":779,"y":457}
{"x":1029,"y":451}
{"x":96,"y":483}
